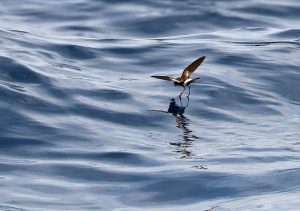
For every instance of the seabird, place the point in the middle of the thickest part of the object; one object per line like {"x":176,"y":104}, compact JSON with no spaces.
{"x":185,"y":79}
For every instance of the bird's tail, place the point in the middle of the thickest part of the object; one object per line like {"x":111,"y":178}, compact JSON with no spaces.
{"x":195,"y":79}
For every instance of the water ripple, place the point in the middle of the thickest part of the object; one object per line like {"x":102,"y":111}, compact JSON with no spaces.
{"x":84,"y":127}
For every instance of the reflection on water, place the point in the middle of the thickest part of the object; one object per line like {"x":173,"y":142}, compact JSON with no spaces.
{"x":186,"y":138}
{"x":184,"y":145}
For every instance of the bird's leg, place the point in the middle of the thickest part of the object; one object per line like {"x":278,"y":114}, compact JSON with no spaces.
{"x":188,"y":97}
{"x":182,"y":92}
{"x":189,"y":91}
{"x":180,"y":100}
{"x":187,"y":104}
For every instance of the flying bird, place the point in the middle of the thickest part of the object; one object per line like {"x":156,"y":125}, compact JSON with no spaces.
{"x":185,"y":79}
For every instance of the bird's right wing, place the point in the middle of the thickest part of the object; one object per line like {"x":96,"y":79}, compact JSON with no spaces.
{"x":167,"y":78}
{"x":191,"y":68}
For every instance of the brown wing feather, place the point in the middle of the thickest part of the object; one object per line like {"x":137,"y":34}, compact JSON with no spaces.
{"x":167,"y":78}
{"x":191,"y":68}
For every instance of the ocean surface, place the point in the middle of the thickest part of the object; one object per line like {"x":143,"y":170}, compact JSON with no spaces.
{"x":84,"y":127}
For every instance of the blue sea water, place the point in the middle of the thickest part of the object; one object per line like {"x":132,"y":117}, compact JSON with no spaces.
{"x":84,"y":127}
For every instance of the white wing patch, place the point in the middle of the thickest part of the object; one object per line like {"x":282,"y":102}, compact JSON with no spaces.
{"x":187,"y":81}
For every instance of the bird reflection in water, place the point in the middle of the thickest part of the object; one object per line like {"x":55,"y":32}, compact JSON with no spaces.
{"x":186,"y":138}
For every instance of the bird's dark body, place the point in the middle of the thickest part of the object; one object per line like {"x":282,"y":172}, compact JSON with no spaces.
{"x":178,"y":83}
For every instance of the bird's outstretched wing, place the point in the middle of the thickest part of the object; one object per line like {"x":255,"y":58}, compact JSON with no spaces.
{"x":191,"y":68}
{"x":167,"y":78}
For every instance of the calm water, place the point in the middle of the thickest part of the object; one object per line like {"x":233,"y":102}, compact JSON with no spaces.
{"x":84,"y":127}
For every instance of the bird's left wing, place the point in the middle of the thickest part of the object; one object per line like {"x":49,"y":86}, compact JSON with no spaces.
{"x":167,"y":78}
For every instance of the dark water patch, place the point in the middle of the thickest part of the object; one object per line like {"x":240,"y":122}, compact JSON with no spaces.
{"x":241,"y":99}
{"x":73,"y":51}
{"x":255,"y":159}
{"x":210,"y":114}
{"x":205,"y":186}
{"x":117,"y":41}
{"x":11,"y":70}
{"x":6,"y":168}
{"x":120,"y":158}
{"x":35,"y":104}
{"x":105,"y":94}
{"x":10,"y":208}
{"x":202,"y":186}
{"x":271,"y":43}
{"x":286,"y":87}
{"x":78,"y":28}
{"x":168,"y":24}
{"x":127,"y":51}
{"x":47,"y":189}
{"x":90,"y":8}
{"x":17,"y":128}
{"x":9,"y":119}
{"x":243,"y":61}
{"x":266,"y":149}
{"x":46,"y":16}
{"x":11,"y":86}
{"x":65,"y":66}
{"x":52,"y":92}
{"x":157,"y":63}
{"x":9,"y":142}
{"x":272,"y":10}
{"x":91,"y":174}
{"x":118,"y":117}
{"x":289,"y":33}
{"x":18,"y":31}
